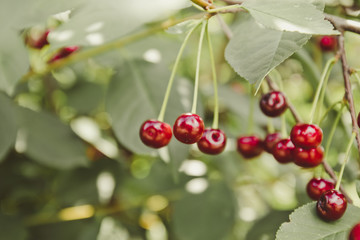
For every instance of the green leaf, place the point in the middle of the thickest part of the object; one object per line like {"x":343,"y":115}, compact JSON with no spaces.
{"x":208,"y":215}
{"x":305,"y":224}
{"x":8,"y":126}
{"x":254,"y":54}
{"x":293,"y":16}
{"x":94,"y":22}
{"x":11,"y":228}
{"x":183,"y":27}
{"x":47,"y":140}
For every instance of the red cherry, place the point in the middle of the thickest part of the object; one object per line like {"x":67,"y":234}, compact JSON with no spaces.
{"x":355,"y":232}
{"x":331,"y":205}
{"x":63,"y":53}
{"x":328,"y":43}
{"x":273,"y":104}
{"x":270,"y":141}
{"x":213,"y":141}
{"x":283,"y":151}
{"x":306,"y":135}
{"x":308,"y":157}
{"x":249,"y":146}
{"x":317,"y":186}
{"x":188,"y":128}
{"x":155,"y":134}
{"x":358,"y":120}
{"x":39,"y":41}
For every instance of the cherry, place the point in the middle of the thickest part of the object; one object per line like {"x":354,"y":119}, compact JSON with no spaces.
{"x":188,"y":128}
{"x":283,"y":151}
{"x":317,"y":186}
{"x":355,"y":232}
{"x":155,"y":134}
{"x":308,"y":157}
{"x":63,"y":53}
{"x":38,"y":41}
{"x":270,"y":141}
{"x":331,"y":205}
{"x":273,"y":104}
{"x":306,"y":135}
{"x":328,"y":43}
{"x":213,"y":141}
{"x":358,"y":120}
{"x":249,"y":146}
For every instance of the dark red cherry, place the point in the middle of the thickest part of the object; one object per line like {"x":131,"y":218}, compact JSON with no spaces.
{"x":155,"y":134}
{"x":283,"y":151}
{"x":270,"y":141}
{"x":317,"y":186}
{"x":308,"y":157}
{"x":188,"y":128}
{"x":358,"y":120}
{"x":273,"y":104}
{"x":37,"y":41}
{"x":250,"y":146}
{"x":331,"y":205}
{"x":328,"y":43}
{"x":355,"y":232}
{"x":213,"y":141}
{"x":63,"y":53}
{"x":306,"y":135}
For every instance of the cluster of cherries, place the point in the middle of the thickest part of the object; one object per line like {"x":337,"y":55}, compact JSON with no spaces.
{"x":40,"y":41}
{"x":188,"y":128}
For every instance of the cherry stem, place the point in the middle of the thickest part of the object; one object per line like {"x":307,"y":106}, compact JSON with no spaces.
{"x":347,"y":154}
{"x":221,"y":9}
{"x":322,"y":83}
{"x":270,"y":125}
{"x":197,"y":74}
{"x":328,"y":110}
{"x":332,"y":131}
{"x":357,"y":78}
{"x":172,"y":76}
{"x":215,"y":124}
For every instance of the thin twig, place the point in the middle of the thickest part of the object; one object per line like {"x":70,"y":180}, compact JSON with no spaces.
{"x":348,"y":92}
{"x":227,"y":31}
{"x":290,"y":106}
{"x":343,"y":24}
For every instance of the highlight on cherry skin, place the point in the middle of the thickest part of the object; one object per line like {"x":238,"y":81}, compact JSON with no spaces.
{"x":331,"y":205}
{"x":250,"y":146}
{"x":213,"y":141}
{"x":155,"y":134}
{"x":317,"y":186}
{"x":355,"y":232}
{"x":188,"y":128}
{"x":283,"y":151}
{"x":273,"y":103}
{"x":270,"y":141}
{"x":306,"y":135}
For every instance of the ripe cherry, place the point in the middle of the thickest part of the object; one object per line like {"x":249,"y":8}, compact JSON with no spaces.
{"x":317,"y":186}
{"x":331,"y":205}
{"x":155,"y":134}
{"x":63,"y":53}
{"x":37,"y":41}
{"x":273,"y":104}
{"x":355,"y":232}
{"x":270,"y":141}
{"x":308,"y":157}
{"x":213,"y":141}
{"x":328,"y":43}
{"x":283,"y":151}
{"x":306,"y":135}
{"x":358,"y":120}
{"x":250,"y":146}
{"x":188,"y":128}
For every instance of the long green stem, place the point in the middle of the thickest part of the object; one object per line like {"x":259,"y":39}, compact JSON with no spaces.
{"x":197,"y":74}
{"x":220,"y":9}
{"x":215,"y":124}
{"x":325,"y":75}
{"x":328,"y":110}
{"x":332,"y":131}
{"x":172,"y":76}
{"x":353,"y":135}
{"x":251,"y":111}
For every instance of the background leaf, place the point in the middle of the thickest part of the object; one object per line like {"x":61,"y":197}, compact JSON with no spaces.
{"x":293,"y":16}
{"x":254,"y":54}
{"x":47,"y":140}
{"x":305,"y":224}
{"x":11,"y":228}
{"x":8,"y":126}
